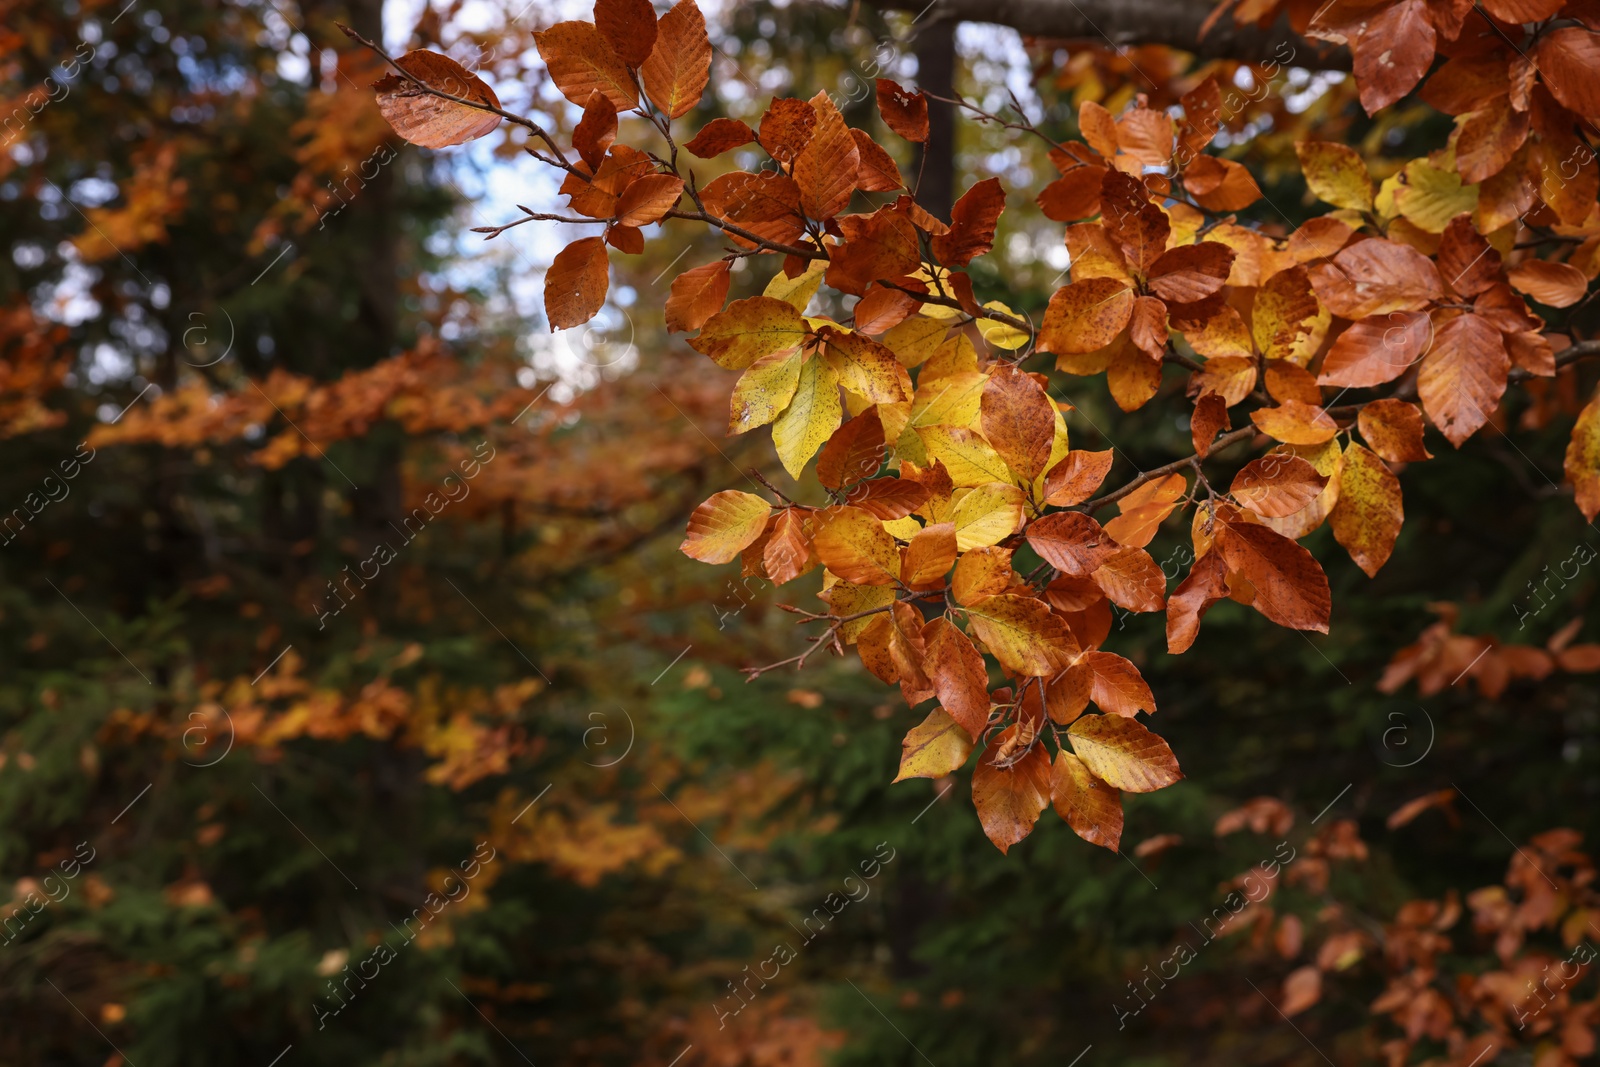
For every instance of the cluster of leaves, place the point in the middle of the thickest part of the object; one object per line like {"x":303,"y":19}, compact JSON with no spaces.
{"x":942,"y":464}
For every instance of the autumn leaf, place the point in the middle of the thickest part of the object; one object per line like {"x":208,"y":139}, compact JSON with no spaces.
{"x":1072,"y":542}
{"x":1018,"y":419}
{"x":811,"y":417}
{"x":718,"y":136}
{"x":904,"y":113}
{"x":788,"y":553}
{"x":1124,"y":753}
{"x":1393,"y":53}
{"x":1277,"y":485}
{"x":825,"y":170}
{"x":855,"y":546}
{"x":720,"y":528}
{"x":432,"y":121}
{"x":935,"y":748}
{"x":1583,"y":459}
{"x":1076,"y":477}
{"x":763,"y":391}
{"x":1091,"y":807}
{"x":1369,"y":514}
{"x":983,"y":572}
{"x":1189,"y":273}
{"x":575,"y":286}
{"x":629,"y":27}
{"x":679,"y":66}
{"x":1464,"y":376}
{"x":1393,"y":429}
{"x":1086,"y":316}
{"x":647,"y":199}
{"x":581,"y":61}
{"x":1375,"y":277}
{"x":696,"y":295}
{"x":1132,"y":580}
{"x":1023,"y":634}
{"x":1558,"y":285}
{"x":1377,"y":349}
{"x":1205,"y":584}
{"x":854,"y":453}
{"x":747,"y":330}
{"x":959,"y":677}
{"x":1010,"y":799}
{"x":1146,"y":508}
{"x":1568,"y":59}
{"x":1117,"y":687}
{"x":865,"y":367}
{"x":929,"y":556}
{"x":965,"y":454}
{"x":1209,"y":419}
{"x":972,"y":224}
{"x":887,"y":499}
{"x":1290,"y":587}
{"x":1295,"y":422}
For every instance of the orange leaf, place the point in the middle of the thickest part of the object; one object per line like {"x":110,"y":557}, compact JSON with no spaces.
{"x":981,"y":572}
{"x":719,"y":136}
{"x":929,"y":556}
{"x":1376,"y":276}
{"x":854,"y":452}
{"x":1301,"y":990}
{"x":1277,"y":485}
{"x":887,"y":499}
{"x":1019,"y":420}
{"x":1377,"y":349}
{"x":855,"y":546}
{"x":428,"y":120}
{"x":1191,"y":272}
{"x":575,"y":286}
{"x":720,"y":528}
{"x":1393,"y":54}
{"x":1295,"y":422}
{"x":1220,"y":184}
{"x":1568,"y":59}
{"x":904,"y":113}
{"x":972,"y":224}
{"x":1099,"y":128}
{"x":788,"y":553}
{"x":1118,"y":687}
{"x":1074,"y":195}
{"x":1583,"y":459}
{"x":679,"y":66}
{"x":1209,"y":419}
{"x":1023,"y":634}
{"x":1075,"y":478}
{"x":1558,"y":285}
{"x":1393,"y":429}
{"x":581,"y":61}
{"x":597,"y":129}
{"x":1091,"y":807}
{"x":1132,"y":581}
{"x":1145,"y":509}
{"x":1139,"y":227}
{"x":958,"y":674}
{"x":1290,"y":588}
{"x":1072,"y":542}
{"x":786,"y":128}
{"x":629,"y":26}
{"x":648,"y":199}
{"x":826,"y":168}
{"x":1463,"y":378}
{"x":1010,"y":799}
{"x":1086,"y":316}
{"x":877,"y":172}
{"x":1206,"y":583}
{"x":697,"y":294}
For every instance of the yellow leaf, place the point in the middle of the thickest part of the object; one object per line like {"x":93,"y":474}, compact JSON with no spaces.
{"x":999,"y":334}
{"x":748,"y":329}
{"x":724,"y":525}
{"x":939,"y":746}
{"x":811,"y":417}
{"x":797,"y":292}
{"x":1336,"y":174}
{"x":1431,"y":197}
{"x":968,"y":458}
{"x":1023,"y":634}
{"x":763,"y":391}
{"x":987,"y":515}
{"x":1124,"y":753}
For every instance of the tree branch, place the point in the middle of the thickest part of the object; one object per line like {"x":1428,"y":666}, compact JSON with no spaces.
{"x":1128,"y":23}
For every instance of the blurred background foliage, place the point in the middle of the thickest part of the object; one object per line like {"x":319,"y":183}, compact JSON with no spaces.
{"x":278,"y":766}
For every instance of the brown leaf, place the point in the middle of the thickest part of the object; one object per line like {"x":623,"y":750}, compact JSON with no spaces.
{"x":1277,"y":485}
{"x":788,"y":553}
{"x":1075,"y":478}
{"x":1393,"y":53}
{"x":904,"y":113}
{"x":1137,"y":226}
{"x":597,"y":129}
{"x":1209,"y":419}
{"x":1010,"y":799}
{"x":825,"y":169}
{"x":1132,"y":581}
{"x":697,"y":294}
{"x":679,"y":66}
{"x":629,"y":26}
{"x":972,"y":224}
{"x":1074,"y":195}
{"x":1018,"y":419}
{"x":1072,"y":542}
{"x":1091,"y":807}
{"x":1557,"y":285}
{"x":1377,"y":276}
{"x":877,"y":172}
{"x":1221,"y":184}
{"x":1189,"y":273}
{"x":1393,"y":429}
{"x":1377,"y":349}
{"x":1301,"y":990}
{"x":575,"y":286}
{"x":786,"y":128}
{"x":648,"y":199}
{"x":958,"y":674}
{"x":1464,"y":376}
{"x":1205,"y":584}
{"x":887,"y":499}
{"x":1290,"y":588}
{"x":581,"y":61}
{"x":1568,"y":59}
{"x":718,"y":136}
{"x":854,"y":452}
{"x":428,"y":120}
